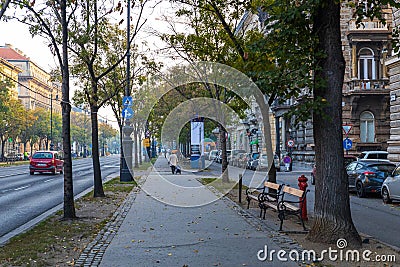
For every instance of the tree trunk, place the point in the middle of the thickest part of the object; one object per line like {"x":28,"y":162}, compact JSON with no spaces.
{"x":332,"y":205}
{"x":136,"y":147}
{"x":225,"y":172}
{"x":3,"y":142}
{"x":69,"y":208}
{"x":121,"y":150}
{"x":140,"y":148}
{"x":98,"y":184}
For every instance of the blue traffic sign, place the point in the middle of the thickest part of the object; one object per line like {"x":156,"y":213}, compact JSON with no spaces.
{"x":127,"y":101}
{"x":127,"y":113}
{"x":287,"y":159}
{"x":347,"y":144}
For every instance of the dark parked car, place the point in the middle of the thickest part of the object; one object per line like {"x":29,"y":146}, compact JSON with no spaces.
{"x":347,"y":160}
{"x":46,"y":161}
{"x":367,"y":176}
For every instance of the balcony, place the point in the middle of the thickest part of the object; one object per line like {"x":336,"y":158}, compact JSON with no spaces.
{"x":367,"y":87}
{"x":372,"y":26}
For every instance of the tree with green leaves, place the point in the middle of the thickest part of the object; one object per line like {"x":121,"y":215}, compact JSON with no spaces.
{"x":90,"y":33}
{"x":302,"y":41}
{"x":208,"y":41}
{"x":3,"y":7}
{"x":28,"y":128}
{"x":50,"y":20}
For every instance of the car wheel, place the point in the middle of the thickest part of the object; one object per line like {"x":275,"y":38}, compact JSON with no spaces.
{"x":385,"y":196}
{"x":360,"y":190}
{"x":31,"y":173}
{"x":312,"y":179}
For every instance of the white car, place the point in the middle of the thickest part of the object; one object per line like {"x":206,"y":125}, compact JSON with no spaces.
{"x":391,"y":187}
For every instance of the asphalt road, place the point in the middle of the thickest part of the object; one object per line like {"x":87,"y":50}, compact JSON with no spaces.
{"x":25,"y":197}
{"x":370,"y":215}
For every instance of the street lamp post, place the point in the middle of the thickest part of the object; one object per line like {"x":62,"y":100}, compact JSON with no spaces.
{"x":126,"y":173}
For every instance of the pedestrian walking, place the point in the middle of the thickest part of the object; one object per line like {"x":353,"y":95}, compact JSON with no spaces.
{"x":173,"y":161}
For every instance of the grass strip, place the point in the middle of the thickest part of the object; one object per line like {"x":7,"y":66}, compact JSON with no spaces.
{"x":55,"y":240}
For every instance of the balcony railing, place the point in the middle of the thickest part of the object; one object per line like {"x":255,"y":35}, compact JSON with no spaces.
{"x":359,"y":86}
{"x":368,"y":26}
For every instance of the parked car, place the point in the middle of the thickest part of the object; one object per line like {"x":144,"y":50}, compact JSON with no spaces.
{"x":20,"y":156}
{"x":262,"y":162}
{"x":367,"y":176}
{"x":391,"y":187}
{"x":243,"y":159}
{"x":277,"y":163}
{"x":233,"y":157}
{"x":46,"y":161}
{"x":347,"y":160}
{"x":219,"y":157}
{"x":252,"y":162}
{"x":380,"y":155}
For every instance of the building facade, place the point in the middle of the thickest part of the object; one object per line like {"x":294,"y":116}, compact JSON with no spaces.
{"x":10,"y":72}
{"x":35,"y":87}
{"x":393,"y":66}
{"x":366,"y":91}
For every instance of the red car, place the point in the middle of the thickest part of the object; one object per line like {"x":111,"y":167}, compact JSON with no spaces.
{"x":347,"y":160}
{"x":46,"y":161}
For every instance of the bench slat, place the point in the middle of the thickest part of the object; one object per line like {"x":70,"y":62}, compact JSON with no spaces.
{"x":293,"y":191}
{"x":271,"y":185}
{"x":292,"y":207}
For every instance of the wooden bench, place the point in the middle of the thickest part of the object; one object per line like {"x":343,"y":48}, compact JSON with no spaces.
{"x":265,"y":197}
{"x":287,"y":207}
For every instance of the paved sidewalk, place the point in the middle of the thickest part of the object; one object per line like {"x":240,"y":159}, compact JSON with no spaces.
{"x":178,"y":229}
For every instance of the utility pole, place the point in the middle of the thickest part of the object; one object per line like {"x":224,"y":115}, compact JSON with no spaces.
{"x":126,"y":172}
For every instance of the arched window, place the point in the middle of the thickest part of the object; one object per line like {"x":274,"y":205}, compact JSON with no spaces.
{"x":367,"y":127}
{"x":366,"y":64}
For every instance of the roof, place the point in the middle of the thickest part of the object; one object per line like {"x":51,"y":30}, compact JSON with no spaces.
{"x":10,"y":54}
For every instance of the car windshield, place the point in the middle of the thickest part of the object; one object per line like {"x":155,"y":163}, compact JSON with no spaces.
{"x":42,"y":155}
{"x":387,"y":168}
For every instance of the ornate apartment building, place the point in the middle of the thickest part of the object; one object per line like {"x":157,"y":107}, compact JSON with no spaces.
{"x":34,"y":85}
{"x":8,"y":70}
{"x":366,"y":92}
{"x":366,"y":83}
{"x":393,"y":66}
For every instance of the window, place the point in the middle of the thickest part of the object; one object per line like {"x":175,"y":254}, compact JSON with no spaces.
{"x":367,"y":127}
{"x":366,"y":64}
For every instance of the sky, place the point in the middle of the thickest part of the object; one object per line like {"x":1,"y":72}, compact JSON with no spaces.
{"x":36,"y":48}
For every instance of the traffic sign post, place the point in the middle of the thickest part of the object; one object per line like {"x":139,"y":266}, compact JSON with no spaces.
{"x":127,"y":113}
{"x":290,"y":143}
{"x":287,"y":160}
{"x":127,"y":101}
{"x":347,"y":144}
{"x":347,"y":128}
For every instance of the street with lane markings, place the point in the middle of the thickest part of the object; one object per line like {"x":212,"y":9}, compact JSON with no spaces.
{"x":25,"y":197}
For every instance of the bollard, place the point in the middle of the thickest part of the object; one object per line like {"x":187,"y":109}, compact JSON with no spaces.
{"x":303,"y":204}
{"x":240,"y":187}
